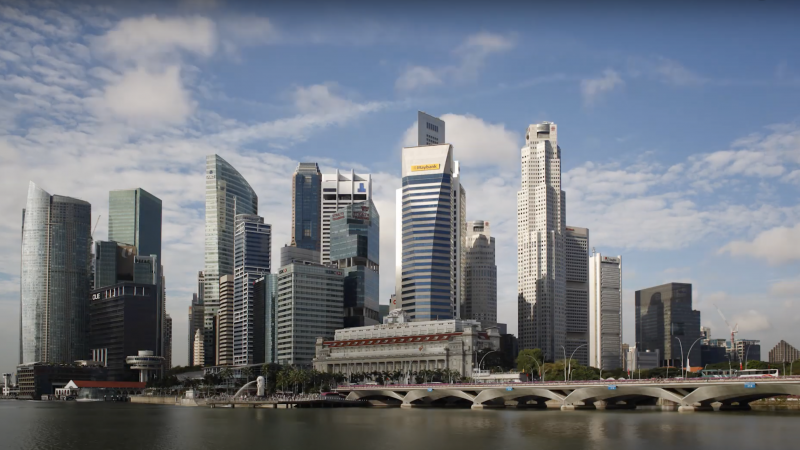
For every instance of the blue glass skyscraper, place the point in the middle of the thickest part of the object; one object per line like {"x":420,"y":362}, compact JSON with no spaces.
{"x":252,"y":255}
{"x":355,"y":249}
{"x":307,"y":207}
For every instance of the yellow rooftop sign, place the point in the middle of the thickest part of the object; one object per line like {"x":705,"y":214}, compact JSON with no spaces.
{"x":423,"y":167}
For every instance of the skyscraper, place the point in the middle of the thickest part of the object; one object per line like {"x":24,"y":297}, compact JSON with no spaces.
{"x":430,"y":130}
{"x":167,"y":342}
{"x":306,"y":207}
{"x":666,"y":322}
{"x":310,"y":305}
{"x":576,"y":240}
{"x":339,"y":190}
{"x":227,"y":195}
{"x":252,"y":256}
{"x":432,"y":213}
{"x":541,"y":255}
{"x":54,"y":278}
{"x":605,"y":312}
{"x":196,"y":318}
{"x":480,"y":275}
{"x":355,"y":250}
{"x":224,"y":322}
{"x":134,"y":218}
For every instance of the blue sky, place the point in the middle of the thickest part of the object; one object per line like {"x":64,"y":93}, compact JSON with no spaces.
{"x":679,"y":127}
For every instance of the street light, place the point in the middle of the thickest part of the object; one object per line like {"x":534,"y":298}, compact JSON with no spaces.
{"x":565,"y":367}
{"x":681,"y":344}
{"x":689,"y":353}
{"x":570,"y":359}
{"x":484,"y":357}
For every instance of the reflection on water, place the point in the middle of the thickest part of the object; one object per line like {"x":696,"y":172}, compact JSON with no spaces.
{"x":90,"y":426}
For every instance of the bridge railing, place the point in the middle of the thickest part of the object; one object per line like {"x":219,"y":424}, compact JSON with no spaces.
{"x":632,"y":381}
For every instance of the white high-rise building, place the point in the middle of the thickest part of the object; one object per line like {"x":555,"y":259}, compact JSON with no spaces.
{"x":577,"y":247}
{"x":339,"y":190}
{"x":541,"y":254}
{"x":432,"y":223}
{"x":480,"y":275}
{"x":605,"y":312}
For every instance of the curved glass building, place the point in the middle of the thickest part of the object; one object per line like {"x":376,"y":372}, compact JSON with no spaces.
{"x":227,"y":195}
{"x":54,"y":278}
{"x":433,"y":220}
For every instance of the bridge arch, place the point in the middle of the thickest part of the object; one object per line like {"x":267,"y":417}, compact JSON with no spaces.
{"x":516,"y":393}
{"x":377,"y":393}
{"x":436,"y":394}
{"x":738,"y":393}
{"x":603,"y":393}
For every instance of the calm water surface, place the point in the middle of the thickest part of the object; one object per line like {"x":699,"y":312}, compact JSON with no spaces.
{"x":90,"y":426}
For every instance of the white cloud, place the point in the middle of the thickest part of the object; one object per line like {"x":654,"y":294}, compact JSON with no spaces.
{"x":476,"y":143}
{"x":320,"y":99}
{"x":673,"y":72}
{"x":785,"y":289}
{"x":751,"y":321}
{"x":417,"y":77}
{"x":776,"y":246}
{"x":145,"y":97}
{"x":593,"y":88}
{"x":150,"y":37}
{"x":471,"y":55}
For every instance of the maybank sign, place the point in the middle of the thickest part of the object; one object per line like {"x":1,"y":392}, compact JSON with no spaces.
{"x":423,"y":167}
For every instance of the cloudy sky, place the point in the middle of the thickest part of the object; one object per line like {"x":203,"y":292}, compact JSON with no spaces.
{"x":679,"y":127}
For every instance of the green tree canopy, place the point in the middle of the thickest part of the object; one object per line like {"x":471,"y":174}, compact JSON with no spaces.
{"x":530,"y":360}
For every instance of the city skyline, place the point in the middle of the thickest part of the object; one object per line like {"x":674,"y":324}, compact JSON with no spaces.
{"x":682,"y":191}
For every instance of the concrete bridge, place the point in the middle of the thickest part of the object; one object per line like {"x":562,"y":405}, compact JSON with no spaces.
{"x":685,"y":395}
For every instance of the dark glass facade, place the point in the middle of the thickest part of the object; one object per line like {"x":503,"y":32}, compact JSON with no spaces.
{"x":666,"y":322}
{"x":307,"y":207}
{"x":252,"y":256}
{"x":54,"y":278}
{"x":134,"y":218}
{"x":355,"y":249}
{"x":123,"y":320}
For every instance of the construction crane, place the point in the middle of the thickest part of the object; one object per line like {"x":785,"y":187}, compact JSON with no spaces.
{"x":95,"y":225}
{"x":733,"y":329}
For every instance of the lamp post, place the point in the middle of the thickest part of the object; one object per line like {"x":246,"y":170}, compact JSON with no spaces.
{"x":565,"y":360}
{"x":570,"y":359}
{"x":745,"y":355}
{"x":689,"y":353}
{"x":484,"y":357}
{"x":681,"y":344}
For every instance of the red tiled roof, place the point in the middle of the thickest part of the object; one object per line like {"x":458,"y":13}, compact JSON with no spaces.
{"x":110,"y":384}
{"x":392,"y":340}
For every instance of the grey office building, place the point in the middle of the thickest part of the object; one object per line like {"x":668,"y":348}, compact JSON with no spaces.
{"x":355,"y":249}
{"x":228,"y":194}
{"x":307,"y":207}
{"x":480,"y":275}
{"x":196,"y":317}
{"x":310,"y":305}
{"x":577,"y":276}
{"x":223,"y":323}
{"x":54,"y":278}
{"x":666,"y":322}
{"x":252,"y":256}
{"x":266,"y":288}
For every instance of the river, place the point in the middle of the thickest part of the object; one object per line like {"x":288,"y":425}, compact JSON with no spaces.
{"x":95,"y":426}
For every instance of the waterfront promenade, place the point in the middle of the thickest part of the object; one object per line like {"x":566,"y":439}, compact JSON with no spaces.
{"x":685,"y":395}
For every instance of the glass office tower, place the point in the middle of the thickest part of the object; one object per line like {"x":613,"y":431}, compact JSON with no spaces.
{"x":134,"y":218}
{"x":355,"y":249}
{"x":227,"y":194}
{"x":307,"y":207}
{"x":54,"y":278}
{"x":252,"y":255}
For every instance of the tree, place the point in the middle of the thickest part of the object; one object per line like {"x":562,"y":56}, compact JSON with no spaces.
{"x":530,"y":360}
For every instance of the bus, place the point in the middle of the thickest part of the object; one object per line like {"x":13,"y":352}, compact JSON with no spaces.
{"x":718,"y":373}
{"x":759,"y":373}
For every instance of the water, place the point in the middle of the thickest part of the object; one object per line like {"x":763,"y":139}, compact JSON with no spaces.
{"x":90,"y":426}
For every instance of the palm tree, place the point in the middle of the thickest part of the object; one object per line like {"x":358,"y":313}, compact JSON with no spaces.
{"x":247,"y":372}
{"x":226,"y":374}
